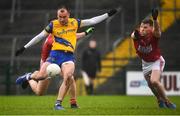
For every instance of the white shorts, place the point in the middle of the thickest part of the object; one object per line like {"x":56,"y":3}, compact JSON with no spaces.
{"x":147,"y":67}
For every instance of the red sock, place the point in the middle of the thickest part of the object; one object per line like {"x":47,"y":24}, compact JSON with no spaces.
{"x":72,"y":101}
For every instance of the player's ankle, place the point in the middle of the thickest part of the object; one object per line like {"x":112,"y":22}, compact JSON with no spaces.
{"x":160,"y":100}
{"x":58,"y":102}
{"x":73,"y":101}
{"x":167,"y":101}
{"x":28,"y":77}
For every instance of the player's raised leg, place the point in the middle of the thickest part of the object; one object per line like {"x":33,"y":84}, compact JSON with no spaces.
{"x":39,"y":87}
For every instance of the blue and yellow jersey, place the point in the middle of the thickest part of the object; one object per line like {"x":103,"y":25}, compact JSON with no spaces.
{"x":64,"y":37}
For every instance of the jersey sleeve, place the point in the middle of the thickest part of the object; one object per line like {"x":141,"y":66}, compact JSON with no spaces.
{"x":50,"y":40}
{"x":46,"y":48}
{"x":49,"y":27}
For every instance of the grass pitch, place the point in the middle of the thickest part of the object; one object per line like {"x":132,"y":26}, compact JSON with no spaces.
{"x":89,"y":105}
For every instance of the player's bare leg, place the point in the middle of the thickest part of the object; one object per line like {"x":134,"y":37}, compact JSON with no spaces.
{"x":72,"y":90}
{"x":155,"y":92}
{"x":38,"y":87}
{"x":67,"y":72}
{"x":153,"y":89}
{"x":155,"y":81}
{"x":155,"y":77}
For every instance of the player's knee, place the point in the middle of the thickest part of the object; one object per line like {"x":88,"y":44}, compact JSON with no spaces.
{"x":67,"y":78}
{"x":65,"y":81}
{"x":69,"y":74}
{"x":70,"y":80}
{"x":35,"y":72}
{"x":154,"y":82}
{"x":40,"y":75}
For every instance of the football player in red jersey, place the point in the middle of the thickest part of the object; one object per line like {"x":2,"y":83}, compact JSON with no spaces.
{"x":146,"y":39}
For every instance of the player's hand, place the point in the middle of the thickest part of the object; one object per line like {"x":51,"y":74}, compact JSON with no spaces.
{"x":154,"y":14}
{"x":89,"y":30}
{"x":112,"y":12}
{"x":20,"y":51}
{"x":136,"y":34}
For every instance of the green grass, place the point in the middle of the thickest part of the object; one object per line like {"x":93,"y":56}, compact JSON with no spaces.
{"x":89,"y":105}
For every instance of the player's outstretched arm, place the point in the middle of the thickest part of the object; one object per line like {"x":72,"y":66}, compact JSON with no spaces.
{"x":83,"y":34}
{"x":97,"y":19}
{"x":35,"y":40}
{"x":156,"y":26}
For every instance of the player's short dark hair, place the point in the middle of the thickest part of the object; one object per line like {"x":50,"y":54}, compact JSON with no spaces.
{"x":64,"y":7}
{"x":147,"y":21}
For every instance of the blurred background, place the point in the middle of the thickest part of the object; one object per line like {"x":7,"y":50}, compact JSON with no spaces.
{"x":21,"y":20}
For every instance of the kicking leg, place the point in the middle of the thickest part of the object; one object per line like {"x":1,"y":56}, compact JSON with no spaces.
{"x":38,"y":87}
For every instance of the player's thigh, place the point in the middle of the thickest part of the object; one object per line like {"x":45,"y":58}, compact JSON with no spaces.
{"x":42,"y":72}
{"x":68,"y":69}
{"x":43,"y":85}
{"x":157,"y":69}
{"x":155,"y":75}
{"x":41,"y":62}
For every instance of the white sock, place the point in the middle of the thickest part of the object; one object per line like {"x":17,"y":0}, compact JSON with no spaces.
{"x":28,"y":76}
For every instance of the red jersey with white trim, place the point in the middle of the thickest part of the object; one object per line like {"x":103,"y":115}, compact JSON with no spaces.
{"x":46,"y":48}
{"x":147,"y":48}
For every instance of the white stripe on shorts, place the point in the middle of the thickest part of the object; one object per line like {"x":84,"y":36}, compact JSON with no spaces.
{"x":67,"y":62}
